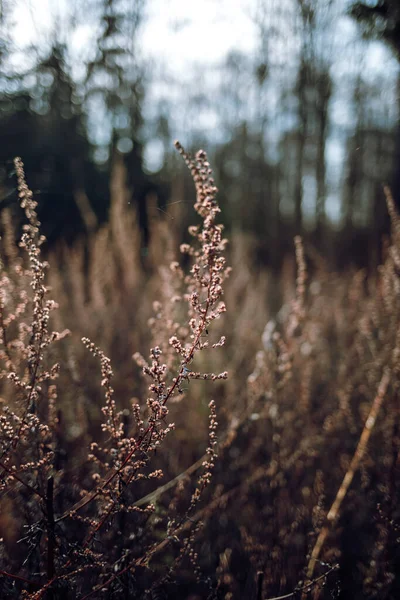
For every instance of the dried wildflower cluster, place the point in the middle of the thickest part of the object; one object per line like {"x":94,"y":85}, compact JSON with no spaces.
{"x":203,"y":294}
{"x":25,"y":336}
{"x":100,"y":498}
{"x":97,"y":524}
{"x":203,"y":287}
{"x":28,"y":414}
{"x":325,"y":388}
{"x":209,"y":463}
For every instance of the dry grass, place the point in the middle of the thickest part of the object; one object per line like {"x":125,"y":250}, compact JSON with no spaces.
{"x":109,"y":486}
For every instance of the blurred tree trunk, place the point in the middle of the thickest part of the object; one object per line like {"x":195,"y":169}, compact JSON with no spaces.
{"x":355,"y":153}
{"x":301,"y":143}
{"x":324,"y":92}
{"x":381,"y":20}
{"x":396,"y":171}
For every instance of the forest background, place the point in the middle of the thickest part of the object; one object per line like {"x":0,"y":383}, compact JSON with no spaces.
{"x":297,"y":102}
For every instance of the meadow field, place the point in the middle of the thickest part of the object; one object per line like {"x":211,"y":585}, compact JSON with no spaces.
{"x":185,"y":423}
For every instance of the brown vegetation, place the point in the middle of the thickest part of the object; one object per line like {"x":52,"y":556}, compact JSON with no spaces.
{"x":107,"y":494}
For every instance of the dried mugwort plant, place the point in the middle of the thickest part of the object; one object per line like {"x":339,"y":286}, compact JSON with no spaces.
{"x":25,"y":309}
{"x":28,"y":412}
{"x":107,"y":535}
{"x":128,"y":457}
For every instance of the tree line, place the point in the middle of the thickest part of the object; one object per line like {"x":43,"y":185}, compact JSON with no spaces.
{"x":286,"y":160}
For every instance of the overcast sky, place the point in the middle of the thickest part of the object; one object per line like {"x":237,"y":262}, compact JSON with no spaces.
{"x":179,"y":30}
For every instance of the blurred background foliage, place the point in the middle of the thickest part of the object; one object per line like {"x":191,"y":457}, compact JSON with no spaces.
{"x":301,"y":132}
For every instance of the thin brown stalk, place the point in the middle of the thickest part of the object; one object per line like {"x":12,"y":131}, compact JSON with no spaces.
{"x":21,"y":481}
{"x":19,"y":578}
{"x":50,"y":528}
{"x":333,"y":513}
{"x":306,"y":588}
